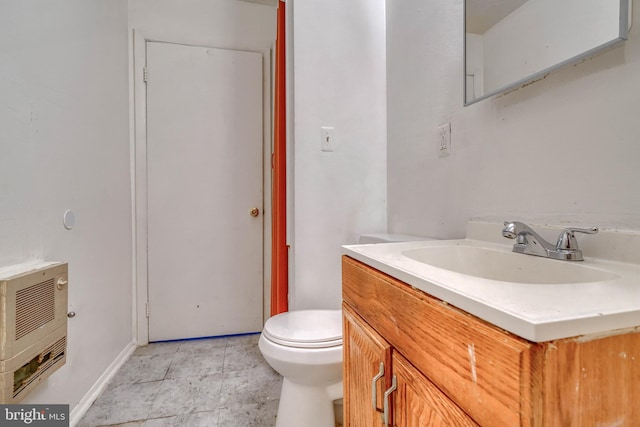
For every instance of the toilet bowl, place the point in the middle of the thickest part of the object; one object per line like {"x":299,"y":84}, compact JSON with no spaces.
{"x":305,"y":347}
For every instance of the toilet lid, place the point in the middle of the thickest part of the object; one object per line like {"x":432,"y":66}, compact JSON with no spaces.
{"x":305,"y":328}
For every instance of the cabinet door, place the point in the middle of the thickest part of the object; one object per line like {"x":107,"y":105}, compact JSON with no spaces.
{"x":418,"y":403}
{"x":364,"y":352}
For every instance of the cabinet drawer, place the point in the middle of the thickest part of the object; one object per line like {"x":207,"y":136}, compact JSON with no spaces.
{"x":489,"y":373}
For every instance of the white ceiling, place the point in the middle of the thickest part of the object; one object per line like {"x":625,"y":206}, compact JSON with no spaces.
{"x":483,"y":14}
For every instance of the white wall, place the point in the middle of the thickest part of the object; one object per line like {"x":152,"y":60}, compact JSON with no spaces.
{"x":230,"y":24}
{"x":564,"y":148}
{"x":339,"y":81}
{"x":64,"y":139}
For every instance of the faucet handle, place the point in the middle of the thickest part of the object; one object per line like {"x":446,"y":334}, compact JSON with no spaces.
{"x":567,"y":240}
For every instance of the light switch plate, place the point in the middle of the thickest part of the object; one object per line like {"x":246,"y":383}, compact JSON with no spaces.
{"x":327,"y":138}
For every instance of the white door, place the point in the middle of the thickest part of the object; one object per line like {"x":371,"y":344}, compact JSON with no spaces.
{"x":204,"y":176}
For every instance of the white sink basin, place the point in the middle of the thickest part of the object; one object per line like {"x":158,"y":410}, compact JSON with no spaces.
{"x":536,"y":298}
{"x":492,"y":264}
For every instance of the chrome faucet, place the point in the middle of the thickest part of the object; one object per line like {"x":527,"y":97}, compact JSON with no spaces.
{"x":531,"y":243}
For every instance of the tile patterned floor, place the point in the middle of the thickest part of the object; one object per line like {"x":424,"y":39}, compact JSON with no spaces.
{"x":218,"y":382}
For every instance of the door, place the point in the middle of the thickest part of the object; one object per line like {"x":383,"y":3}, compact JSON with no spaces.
{"x":204,"y":191}
{"x":418,"y":402}
{"x":367,"y":363}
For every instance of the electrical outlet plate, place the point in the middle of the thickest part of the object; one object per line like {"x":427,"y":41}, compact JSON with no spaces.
{"x":444,"y":140}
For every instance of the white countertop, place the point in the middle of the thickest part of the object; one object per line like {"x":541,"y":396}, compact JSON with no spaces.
{"x":536,"y":312}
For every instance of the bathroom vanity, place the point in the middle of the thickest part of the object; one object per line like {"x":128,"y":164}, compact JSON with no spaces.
{"x":412,"y":359}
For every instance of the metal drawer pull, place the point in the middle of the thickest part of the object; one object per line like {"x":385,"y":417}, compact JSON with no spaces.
{"x":394,"y":385}
{"x":374,"y":390}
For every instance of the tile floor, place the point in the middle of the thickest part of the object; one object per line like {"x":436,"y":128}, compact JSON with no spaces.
{"x":217,"y":382}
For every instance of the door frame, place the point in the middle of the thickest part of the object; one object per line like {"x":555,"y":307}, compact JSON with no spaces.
{"x":138,"y":135}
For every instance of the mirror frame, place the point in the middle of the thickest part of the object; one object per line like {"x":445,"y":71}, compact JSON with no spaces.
{"x":624,"y":26}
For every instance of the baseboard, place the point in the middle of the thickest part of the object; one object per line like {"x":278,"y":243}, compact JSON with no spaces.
{"x":94,"y":392}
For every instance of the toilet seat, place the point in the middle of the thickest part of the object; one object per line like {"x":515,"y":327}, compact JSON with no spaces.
{"x":305,"y":329}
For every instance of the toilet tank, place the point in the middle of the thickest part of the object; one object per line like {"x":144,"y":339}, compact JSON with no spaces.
{"x":389,"y":238}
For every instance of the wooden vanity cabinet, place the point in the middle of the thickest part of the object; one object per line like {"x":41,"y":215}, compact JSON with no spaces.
{"x":453,"y":369}
{"x":417,"y":401}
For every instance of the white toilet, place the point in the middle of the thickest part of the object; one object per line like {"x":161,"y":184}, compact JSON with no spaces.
{"x":305,"y":347}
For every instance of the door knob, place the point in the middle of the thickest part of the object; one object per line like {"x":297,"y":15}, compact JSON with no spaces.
{"x":254,"y":212}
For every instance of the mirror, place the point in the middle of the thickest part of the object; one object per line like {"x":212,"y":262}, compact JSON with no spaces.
{"x":509,"y":43}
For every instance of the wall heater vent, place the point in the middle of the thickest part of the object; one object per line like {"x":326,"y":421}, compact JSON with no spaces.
{"x":35,"y":307}
{"x":33,"y":328}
